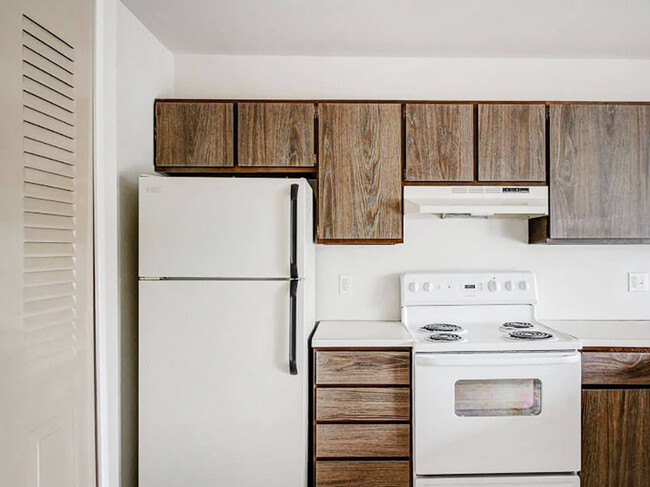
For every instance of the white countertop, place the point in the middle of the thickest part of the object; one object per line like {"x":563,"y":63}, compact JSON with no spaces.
{"x":597,"y":333}
{"x":361,"y":334}
{"x":592,"y":333}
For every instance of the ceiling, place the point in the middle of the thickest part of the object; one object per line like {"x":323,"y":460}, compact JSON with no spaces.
{"x":412,"y":28}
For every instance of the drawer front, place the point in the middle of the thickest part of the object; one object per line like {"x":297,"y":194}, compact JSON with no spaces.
{"x":363,"y":474}
{"x":611,"y":368}
{"x":362,"y":440}
{"x":363,"y":404}
{"x":363,"y":368}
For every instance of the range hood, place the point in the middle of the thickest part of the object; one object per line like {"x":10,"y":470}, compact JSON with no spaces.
{"x":477,"y":201}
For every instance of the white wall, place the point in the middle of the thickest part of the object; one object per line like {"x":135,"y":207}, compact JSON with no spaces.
{"x":144,"y":72}
{"x":574,"y":281}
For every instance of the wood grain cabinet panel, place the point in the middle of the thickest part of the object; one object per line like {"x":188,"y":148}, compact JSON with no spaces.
{"x":439,"y":142}
{"x":392,"y":473}
{"x":363,"y":404}
{"x":607,"y":368}
{"x":512,"y":142}
{"x":194,"y":134}
{"x":362,"y":440}
{"x":615,"y":438}
{"x":360,"y":173}
{"x":276,"y":134}
{"x":367,"y":368}
{"x":599,"y":171}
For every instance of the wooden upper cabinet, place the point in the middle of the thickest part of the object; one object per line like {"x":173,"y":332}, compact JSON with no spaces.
{"x":359,"y":173}
{"x":600,"y":171}
{"x":512,"y":142}
{"x":276,"y":134}
{"x":439,"y":142}
{"x":194,"y":134}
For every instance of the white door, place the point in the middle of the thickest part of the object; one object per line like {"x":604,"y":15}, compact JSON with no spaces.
{"x":46,"y":285}
{"x":218,"y":406}
{"x":222,"y":228}
{"x":497,"y":413}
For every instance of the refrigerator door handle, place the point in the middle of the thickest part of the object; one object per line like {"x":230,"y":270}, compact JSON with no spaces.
{"x":293,"y":292}
{"x":293,"y":263}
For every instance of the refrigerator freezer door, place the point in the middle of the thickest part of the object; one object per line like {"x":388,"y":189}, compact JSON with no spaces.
{"x":221,"y":227}
{"x":218,"y":406}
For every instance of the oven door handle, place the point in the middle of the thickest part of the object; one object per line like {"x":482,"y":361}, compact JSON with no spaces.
{"x":496,"y":359}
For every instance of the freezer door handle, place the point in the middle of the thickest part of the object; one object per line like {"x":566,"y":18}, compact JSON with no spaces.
{"x":293,"y":263}
{"x":293,"y":292}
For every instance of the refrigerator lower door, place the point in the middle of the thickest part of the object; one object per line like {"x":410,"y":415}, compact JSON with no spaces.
{"x":218,"y":406}
{"x":500,"y":481}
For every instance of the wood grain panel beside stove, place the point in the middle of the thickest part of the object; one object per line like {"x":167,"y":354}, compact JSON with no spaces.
{"x":194,"y":134}
{"x":615,"y":438}
{"x":363,"y":404}
{"x":606,"y":368}
{"x":391,"y":473}
{"x":363,"y":440}
{"x":360,"y":367}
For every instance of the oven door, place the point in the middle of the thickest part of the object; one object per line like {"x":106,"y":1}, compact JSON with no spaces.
{"x":491,"y":413}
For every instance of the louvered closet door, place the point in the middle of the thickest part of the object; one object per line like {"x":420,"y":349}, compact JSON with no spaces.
{"x":46,"y":287}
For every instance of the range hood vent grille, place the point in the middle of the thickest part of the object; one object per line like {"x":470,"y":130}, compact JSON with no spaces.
{"x":477,"y":201}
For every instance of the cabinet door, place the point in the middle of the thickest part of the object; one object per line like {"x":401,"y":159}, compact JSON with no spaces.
{"x":359,"y":173}
{"x":615,"y":438}
{"x":600,"y":171}
{"x":439,"y":142}
{"x":512,"y":142}
{"x":276,"y":134}
{"x":194,"y":134}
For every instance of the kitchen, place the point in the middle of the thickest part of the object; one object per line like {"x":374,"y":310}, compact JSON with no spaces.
{"x":148,"y":56}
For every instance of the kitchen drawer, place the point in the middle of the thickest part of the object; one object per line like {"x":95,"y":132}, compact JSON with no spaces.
{"x":613,"y":368}
{"x":363,"y":474}
{"x":363,"y":404}
{"x":363,"y":368}
{"x":362,"y":440}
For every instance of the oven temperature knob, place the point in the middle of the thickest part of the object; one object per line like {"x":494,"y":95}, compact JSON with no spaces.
{"x":524,"y":286}
{"x":493,"y":286}
{"x":414,"y":287}
{"x":509,"y":285}
{"x":428,"y":287}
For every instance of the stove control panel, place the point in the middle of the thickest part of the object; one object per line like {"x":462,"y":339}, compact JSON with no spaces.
{"x":468,"y":288}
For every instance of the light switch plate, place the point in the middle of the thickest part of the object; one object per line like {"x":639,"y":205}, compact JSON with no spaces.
{"x":637,"y":282}
{"x":345,"y":282}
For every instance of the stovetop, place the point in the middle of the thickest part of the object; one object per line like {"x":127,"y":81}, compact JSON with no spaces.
{"x":478,"y":312}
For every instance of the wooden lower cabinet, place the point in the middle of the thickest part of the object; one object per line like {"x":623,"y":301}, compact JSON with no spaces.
{"x":615,"y":438}
{"x":362,"y":417}
{"x":363,"y":473}
{"x":362,"y":440}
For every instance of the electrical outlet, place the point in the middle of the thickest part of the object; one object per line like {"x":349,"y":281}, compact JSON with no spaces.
{"x":345,"y":283}
{"x":637,"y":281}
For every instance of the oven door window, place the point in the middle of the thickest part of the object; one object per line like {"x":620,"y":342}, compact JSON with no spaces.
{"x":498,"y":397}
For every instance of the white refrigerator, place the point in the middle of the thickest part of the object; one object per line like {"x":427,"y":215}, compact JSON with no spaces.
{"x":226,"y":304}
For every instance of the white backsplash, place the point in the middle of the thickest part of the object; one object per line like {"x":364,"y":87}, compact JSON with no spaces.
{"x":574,"y":281}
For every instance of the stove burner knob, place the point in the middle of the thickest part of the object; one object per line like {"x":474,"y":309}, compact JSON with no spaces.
{"x":427,"y":287}
{"x":493,"y":286}
{"x":524,"y":286}
{"x":509,"y":285}
{"x":414,"y":287}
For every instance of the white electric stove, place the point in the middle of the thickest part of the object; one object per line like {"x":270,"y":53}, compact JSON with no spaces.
{"x":496,"y":394}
